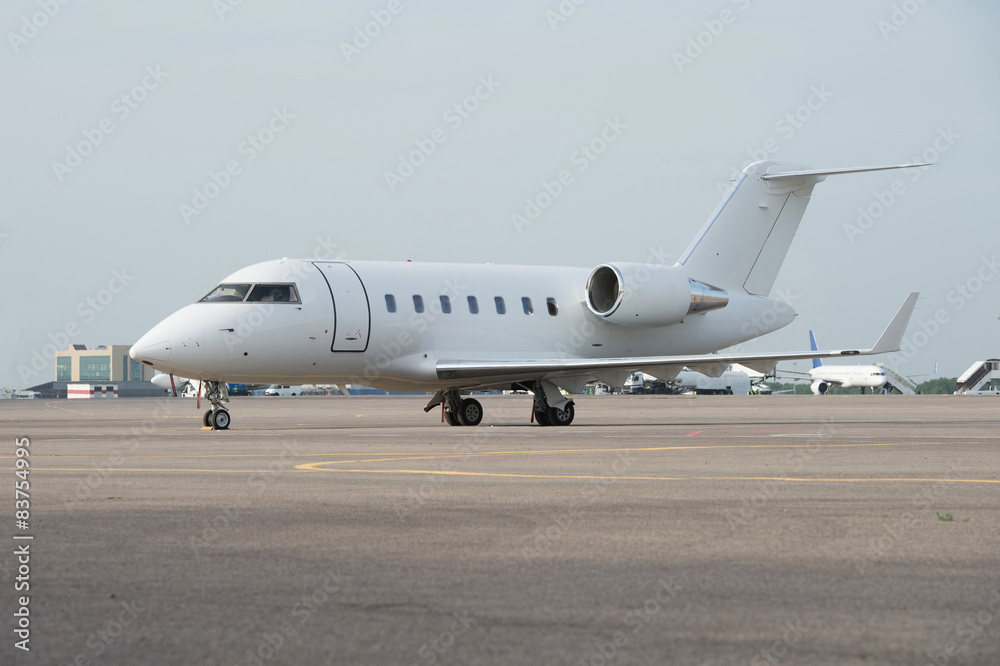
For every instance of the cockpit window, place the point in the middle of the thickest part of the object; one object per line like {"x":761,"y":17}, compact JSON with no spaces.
{"x":273,"y":293}
{"x":227,"y":293}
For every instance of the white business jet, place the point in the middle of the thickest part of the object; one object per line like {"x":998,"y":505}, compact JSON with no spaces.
{"x":456,"y":328}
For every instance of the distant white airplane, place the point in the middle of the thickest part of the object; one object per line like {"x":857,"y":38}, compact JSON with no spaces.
{"x":455,"y":328}
{"x":843,"y":376}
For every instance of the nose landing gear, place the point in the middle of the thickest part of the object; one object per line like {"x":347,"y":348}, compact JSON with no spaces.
{"x":218,"y":417}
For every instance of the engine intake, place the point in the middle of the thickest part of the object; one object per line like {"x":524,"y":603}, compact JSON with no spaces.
{"x":644,"y":295}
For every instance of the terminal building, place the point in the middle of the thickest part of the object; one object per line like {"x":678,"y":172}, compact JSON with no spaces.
{"x":108,"y":369}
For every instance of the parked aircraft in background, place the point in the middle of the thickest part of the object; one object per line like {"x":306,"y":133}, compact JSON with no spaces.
{"x":736,"y":379}
{"x":844,"y":376}
{"x":192,"y":388}
{"x":454,"y":328}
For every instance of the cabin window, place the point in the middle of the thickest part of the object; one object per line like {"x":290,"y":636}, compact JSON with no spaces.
{"x":390,"y":303}
{"x":473,"y":305}
{"x":501,"y":306}
{"x":550,"y":303}
{"x":273,"y":293}
{"x":418,"y":303}
{"x":445,"y":305}
{"x":526,"y":305}
{"x":227,"y":293}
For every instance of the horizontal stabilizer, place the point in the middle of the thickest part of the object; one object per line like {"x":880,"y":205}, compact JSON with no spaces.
{"x":833,"y":172}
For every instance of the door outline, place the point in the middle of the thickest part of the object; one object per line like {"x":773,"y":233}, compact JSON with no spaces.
{"x":336,"y":319}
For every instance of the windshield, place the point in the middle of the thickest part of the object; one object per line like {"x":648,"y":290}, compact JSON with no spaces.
{"x":273,"y":293}
{"x":253,"y":293}
{"x":227,"y":293}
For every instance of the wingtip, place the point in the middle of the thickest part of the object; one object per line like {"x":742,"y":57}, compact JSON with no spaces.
{"x":892,"y":336}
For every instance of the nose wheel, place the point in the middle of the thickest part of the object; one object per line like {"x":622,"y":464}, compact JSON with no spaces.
{"x":219,"y":419}
{"x":216,"y":418}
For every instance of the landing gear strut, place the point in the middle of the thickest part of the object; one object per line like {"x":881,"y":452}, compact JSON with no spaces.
{"x":546,"y":415}
{"x":216,"y":418}
{"x":457,"y":411}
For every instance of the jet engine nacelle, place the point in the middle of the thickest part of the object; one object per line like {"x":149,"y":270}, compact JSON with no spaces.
{"x":649,"y":295}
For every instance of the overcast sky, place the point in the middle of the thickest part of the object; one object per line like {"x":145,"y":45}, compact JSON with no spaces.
{"x":117,"y":115}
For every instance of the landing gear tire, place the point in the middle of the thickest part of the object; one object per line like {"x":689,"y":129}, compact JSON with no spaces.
{"x":470,"y":413}
{"x":542,"y":418}
{"x":206,"y":419}
{"x":562,"y":417}
{"x":220,"y":419}
{"x":451,"y":419}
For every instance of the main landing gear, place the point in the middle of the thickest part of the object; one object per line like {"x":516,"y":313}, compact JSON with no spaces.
{"x":217,"y":418}
{"x":549,"y":406}
{"x":457,"y":411}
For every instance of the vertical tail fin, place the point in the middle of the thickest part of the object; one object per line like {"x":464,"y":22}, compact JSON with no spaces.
{"x":812,"y":345}
{"x":744,"y":241}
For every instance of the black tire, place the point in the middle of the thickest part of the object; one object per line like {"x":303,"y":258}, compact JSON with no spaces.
{"x":207,"y":419}
{"x":562,"y":417}
{"x":542,"y":418}
{"x":470,"y":413}
{"x":451,"y":419}
{"x":220,"y":419}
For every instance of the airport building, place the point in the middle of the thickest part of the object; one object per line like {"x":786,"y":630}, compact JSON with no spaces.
{"x":100,"y":365}
{"x":103,"y":366}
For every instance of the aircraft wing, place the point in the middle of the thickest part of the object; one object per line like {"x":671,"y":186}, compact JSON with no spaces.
{"x":479,"y":372}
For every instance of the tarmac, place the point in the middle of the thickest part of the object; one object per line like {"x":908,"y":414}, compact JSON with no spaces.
{"x":654,"y":530}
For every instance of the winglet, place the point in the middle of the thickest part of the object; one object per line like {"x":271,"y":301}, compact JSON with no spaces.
{"x":892,"y":336}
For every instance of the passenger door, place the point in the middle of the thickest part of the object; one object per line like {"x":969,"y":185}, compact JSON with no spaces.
{"x":352,"y":316}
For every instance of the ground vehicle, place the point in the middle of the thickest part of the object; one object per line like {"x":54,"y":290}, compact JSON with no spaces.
{"x":278,"y":389}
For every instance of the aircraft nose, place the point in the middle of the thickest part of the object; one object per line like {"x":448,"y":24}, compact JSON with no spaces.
{"x":151,"y":349}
